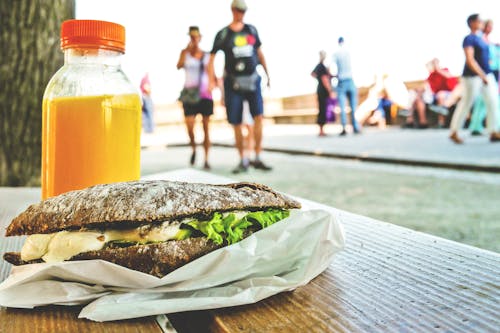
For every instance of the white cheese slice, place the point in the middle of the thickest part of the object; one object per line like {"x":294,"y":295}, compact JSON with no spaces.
{"x":63,"y":245}
{"x":35,"y":246}
{"x":66,"y":244}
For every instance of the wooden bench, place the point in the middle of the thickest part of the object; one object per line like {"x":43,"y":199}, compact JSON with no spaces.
{"x":388,"y":279}
{"x":304,"y":108}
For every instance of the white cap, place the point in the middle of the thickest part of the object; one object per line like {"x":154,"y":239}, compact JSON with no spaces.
{"x":239,"y":4}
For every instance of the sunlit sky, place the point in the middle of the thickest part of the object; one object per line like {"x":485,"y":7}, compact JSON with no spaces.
{"x":384,"y":36}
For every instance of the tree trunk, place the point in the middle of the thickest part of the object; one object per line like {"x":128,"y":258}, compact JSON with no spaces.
{"x":30,"y":55}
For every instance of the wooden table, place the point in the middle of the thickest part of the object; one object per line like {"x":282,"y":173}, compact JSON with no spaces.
{"x":388,"y":279}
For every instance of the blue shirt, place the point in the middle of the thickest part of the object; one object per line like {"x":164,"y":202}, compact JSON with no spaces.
{"x":342,"y":60}
{"x":481,"y":54}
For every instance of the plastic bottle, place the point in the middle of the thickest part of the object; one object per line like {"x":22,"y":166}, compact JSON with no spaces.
{"x":91,"y":112}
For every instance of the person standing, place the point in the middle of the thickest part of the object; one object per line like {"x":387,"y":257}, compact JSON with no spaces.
{"x":194,"y":61}
{"x":147,"y":105}
{"x":479,"y":113}
{"x":477,"y":78}
{"x":346,"y":89}
{"x":241,"y":45}
{"x":324,"y":90}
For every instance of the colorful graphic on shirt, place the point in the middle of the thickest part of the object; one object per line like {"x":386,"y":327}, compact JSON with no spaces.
{"x":243,"y":40}
{"x":251,"y":39}
{"x":240,"y":40}
{"x":243,"y":46}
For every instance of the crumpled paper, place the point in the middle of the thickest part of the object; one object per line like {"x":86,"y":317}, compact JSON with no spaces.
{"x":279,"y":258}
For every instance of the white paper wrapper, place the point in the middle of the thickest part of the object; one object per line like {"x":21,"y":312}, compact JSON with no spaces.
{"x":281,"y":257}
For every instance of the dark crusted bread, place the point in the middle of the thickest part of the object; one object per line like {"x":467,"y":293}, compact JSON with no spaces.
{"x":156,"y":259}
{"x":130,"y":204}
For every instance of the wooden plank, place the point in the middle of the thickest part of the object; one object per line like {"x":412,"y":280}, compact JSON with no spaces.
{"x":196,"y":321}
{"x":52,"y":319}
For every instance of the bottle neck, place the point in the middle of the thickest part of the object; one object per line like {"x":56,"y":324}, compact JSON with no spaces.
{"x":83,"y":56}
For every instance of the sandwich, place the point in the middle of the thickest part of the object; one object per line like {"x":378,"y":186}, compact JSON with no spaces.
{"x":153,"y":227}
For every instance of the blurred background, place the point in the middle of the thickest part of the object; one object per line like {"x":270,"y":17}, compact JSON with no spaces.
{"x":413,"y":178}
{"x":384,"y":36}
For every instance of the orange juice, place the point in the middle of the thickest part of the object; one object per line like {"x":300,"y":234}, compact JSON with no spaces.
{"x":89,"y":140}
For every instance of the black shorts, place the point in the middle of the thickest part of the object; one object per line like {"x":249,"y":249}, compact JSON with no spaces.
{"x":204,"y":107}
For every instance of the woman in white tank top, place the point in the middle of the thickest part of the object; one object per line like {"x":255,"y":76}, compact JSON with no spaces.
{"x":194,"y":62}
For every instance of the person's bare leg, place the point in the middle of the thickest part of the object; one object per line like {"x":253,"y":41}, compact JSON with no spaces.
{"x":410,"y":119}
{"x":257,"y":128}
{"x":238,"y":137}
{"x":321,"y":130}
{"x":251,"y":140}
{"x":418,"y":109}
{"x":382,"y":124}
{"x":206,"y":140}
{"x":189,"y":120}
{"x":258,"y":164}
{"x":374,"y":118}
{"x":248,"y":140}
{"x":365,"y":109}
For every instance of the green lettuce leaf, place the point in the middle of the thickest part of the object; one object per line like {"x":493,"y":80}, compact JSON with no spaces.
{"x":269,"y":217}
{"x":211,"y":229}
{"x":234,"y":228}
{"x":230,"y":229}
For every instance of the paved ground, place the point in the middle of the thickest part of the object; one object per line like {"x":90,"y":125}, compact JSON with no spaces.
{"x":429,"y":147}
{"x":458,"y":205}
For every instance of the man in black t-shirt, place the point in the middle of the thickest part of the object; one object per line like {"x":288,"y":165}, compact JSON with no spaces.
{"x":240,"y":43}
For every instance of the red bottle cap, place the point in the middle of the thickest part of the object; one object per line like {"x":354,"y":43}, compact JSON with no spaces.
{"x":93,"y":34}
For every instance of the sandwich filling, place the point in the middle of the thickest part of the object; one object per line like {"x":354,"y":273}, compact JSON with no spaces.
{"x":221,"y":228}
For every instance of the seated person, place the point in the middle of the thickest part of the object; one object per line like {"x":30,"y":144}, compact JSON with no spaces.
{"x":378,"y":116}
{"x":418,"y":107}
{"x":445,"y":87}
{"x":384,"y":95}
